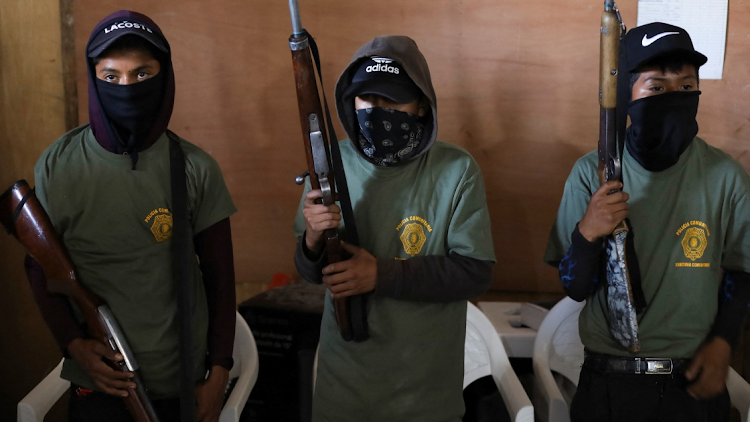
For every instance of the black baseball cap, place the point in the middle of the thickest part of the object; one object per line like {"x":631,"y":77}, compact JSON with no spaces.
{"x":112,"y":31}
{"x":385,"y":77}
{"x":647,"y":42}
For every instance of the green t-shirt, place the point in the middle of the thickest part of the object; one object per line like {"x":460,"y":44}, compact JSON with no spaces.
{"x":411,"y":368}
{"x":116,"y":224}
{"x":689,"y":221}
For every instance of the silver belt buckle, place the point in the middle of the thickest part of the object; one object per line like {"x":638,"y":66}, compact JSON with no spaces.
{"x":658,"y":366}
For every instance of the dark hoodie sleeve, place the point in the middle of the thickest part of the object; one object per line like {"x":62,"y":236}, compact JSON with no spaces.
{"x":214,"y":249}
{"x":308,"y":265}
{"x":580,"y":268}
{"x":429,"y":278}
{"x":734,"y":304}
{"x":433,"y":278}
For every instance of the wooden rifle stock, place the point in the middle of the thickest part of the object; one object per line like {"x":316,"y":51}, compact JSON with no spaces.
{"x":316,"y":143}
{"x":22,"y":214}
{"x":609,"y":50}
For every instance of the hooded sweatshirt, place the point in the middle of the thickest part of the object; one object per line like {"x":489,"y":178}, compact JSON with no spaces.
{"x":404,"y":51}
{"x":107,"y":134}
{"x":426,"y":221}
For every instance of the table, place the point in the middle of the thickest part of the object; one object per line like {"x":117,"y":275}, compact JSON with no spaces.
{"x":518,"y":341}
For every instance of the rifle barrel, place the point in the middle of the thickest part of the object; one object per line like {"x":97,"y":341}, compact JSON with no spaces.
{"x":296,"y":21}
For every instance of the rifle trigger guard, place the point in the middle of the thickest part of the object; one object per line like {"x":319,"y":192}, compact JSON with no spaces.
{"x":320,"y":159}
{"x":614,"y":170}
{"x":325,"y":187}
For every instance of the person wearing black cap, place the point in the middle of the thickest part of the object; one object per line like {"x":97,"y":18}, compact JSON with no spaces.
{"x":106,"y":188}
{"x":689,"y":208}
{"x":425,"y":247}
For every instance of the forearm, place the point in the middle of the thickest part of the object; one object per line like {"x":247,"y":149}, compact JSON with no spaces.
{"x":214,"y":249}
{"x":433,"y":278}
{"x":56,"y":309}
{"x":309,"y":265}
{"x":579,"y":269}
{"x":734,"y":302}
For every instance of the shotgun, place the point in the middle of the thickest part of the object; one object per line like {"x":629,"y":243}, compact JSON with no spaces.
{"x":22,"y":215}
{"x":623,"y":323}
{"x":325,"y":169}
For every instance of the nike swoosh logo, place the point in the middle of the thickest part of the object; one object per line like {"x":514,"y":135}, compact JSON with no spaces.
{"x":648,"y":41}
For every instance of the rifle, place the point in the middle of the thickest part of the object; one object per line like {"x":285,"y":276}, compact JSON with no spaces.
{"x":324,"y":167}
{"x":623,"y":323}
{"x":22,"y":215}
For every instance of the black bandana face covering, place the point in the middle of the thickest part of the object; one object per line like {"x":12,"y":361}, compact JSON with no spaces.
{"x":132,"y":108}
{"x":662,"y":127}
{"x":388,"y":136}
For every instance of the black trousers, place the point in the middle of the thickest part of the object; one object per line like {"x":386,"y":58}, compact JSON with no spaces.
{"x":93,"y":406}
{"x":618,"y":397}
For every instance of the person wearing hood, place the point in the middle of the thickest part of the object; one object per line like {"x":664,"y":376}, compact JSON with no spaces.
{"x":106,"y":188}
{"x":425,"y":247}
{"x":689,"y":208}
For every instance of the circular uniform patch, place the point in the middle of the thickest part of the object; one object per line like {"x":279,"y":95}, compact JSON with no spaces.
{"x":694,"y":243}
{"x":162,"y":227}
{"x":413,"y":238}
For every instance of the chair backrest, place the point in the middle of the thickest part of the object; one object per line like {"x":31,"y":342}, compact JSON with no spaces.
{"x":558,"y":350}
{"x":245,"y":369}
{"x":558,"y":337}
{"x":245,"y":351}
{"x":35,"y":405}
{"x":484,"y":355}
{"x":739,"y":393}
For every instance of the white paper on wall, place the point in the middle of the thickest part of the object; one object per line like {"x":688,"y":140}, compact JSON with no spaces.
{"x":704,"y":20}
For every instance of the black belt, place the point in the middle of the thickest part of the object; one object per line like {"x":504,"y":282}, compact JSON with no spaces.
{"x":635,"y":365}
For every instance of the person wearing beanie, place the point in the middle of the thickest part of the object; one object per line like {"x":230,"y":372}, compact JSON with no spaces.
{"x":106,"y":188}
{"x":425,"y":247}
{"x":688,"y":205}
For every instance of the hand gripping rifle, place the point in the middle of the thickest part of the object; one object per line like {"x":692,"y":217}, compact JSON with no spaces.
{"x":324,"y":167}
{"x":622,"y":283}
{"x":23,"y":216}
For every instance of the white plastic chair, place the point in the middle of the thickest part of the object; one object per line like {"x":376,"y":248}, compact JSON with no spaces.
{"x":38,"y":401}
{"x":558,"y":356}
{"x":245,"y":369}
{"x":485,"y":355}
{"x":739,"y":394}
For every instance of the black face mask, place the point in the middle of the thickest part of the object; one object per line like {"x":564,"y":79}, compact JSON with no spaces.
{"x":132,"y":109}
{"x":389,"y":136}
{"x":662,"y":127}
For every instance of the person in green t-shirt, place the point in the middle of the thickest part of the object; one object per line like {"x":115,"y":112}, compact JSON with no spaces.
{"x":106,"y":188}
{"x":688,"y":205}
{"x":425,"y":247}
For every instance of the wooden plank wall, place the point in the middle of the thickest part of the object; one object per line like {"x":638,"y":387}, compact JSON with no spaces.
{"x":516,"y":82}
{"x":31,"y":116}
